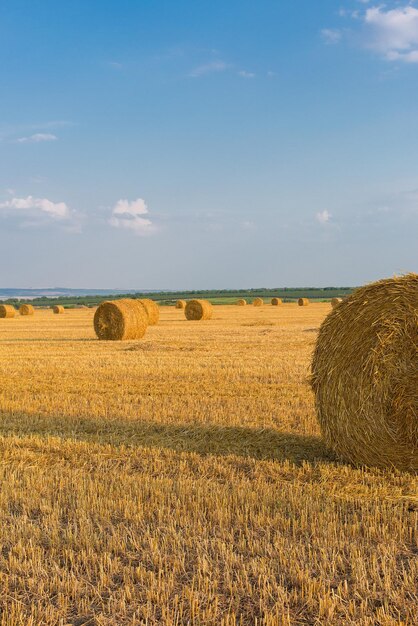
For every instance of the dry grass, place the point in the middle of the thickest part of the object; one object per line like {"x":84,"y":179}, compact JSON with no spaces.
{"x":181,"y":480}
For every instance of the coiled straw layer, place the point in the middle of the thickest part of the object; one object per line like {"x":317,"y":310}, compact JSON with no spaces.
{"x":303,"y":301}
{"x":365,"y":375}
{"x":152,"y":310}
{"x":116,"y":320}
{"x":26,"y":309}
{"x":276,"y":301}
{"x":198,"y":310}
{"x":7,"y":310}
{"x":336,"y":301}
{"x":58,"y":309}
{"x":242,"y":302}
{"x":258,"y":302}
{"x":181,"y":304}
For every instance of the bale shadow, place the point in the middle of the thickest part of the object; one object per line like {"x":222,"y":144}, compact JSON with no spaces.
{"x":254,"y":443}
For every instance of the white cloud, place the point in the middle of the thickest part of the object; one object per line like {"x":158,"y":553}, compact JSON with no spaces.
{"x":245,"y":74}
{"x":393,"y":32}
{"x":323,"y":217}
{"x":209,"y":68}
{"x":128,"y":214}
{"x":37,"y":138}
{"x":36,"y":206}
{"x":331,"y":35}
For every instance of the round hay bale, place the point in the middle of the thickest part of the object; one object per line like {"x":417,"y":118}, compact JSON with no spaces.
{"x":115,"y":320}
{"x":303,"y":301}
{"x":335,"y":302}
{"x":198,"y":310}
{"x":242,"y":302}
{"x":26,"y":309}
{"x":365,"y":375}
{"x":7,"y":310}
{"x":152,"y":310}
{"x":276,"y":301}
{"x":58,"y":309}
{"x":258,"y":302}
{"x":181,"y":304}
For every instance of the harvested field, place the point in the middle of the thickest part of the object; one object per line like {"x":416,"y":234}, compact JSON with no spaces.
{"x":181,"y":479}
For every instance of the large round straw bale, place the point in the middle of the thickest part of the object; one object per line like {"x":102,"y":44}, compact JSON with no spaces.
{"x":181,"y":304}
{"x":258,"y":302}
{"x":152,"y":310}
{"x":336,"y":301}
{"x":198,"y":310}
{"x":7,"y":310}
{"x":365,"y":375}
{"x":303,"y":301}
{"x":58,"y":309}
{"x":26,"y":309}
{"x":241,"y":302}
{"x":120,"y":319}
{"x":276,"y":301}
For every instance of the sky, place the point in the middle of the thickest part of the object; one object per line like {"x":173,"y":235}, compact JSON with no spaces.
{"x":203,"y":144}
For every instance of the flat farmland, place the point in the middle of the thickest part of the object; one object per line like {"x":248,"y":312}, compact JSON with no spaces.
{"x":181,"y":479}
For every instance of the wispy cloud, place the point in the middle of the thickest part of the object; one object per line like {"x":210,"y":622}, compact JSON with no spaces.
{"x":209,"y":68}
{"x":245,"y":74}
{"x":36,"y":206}
{"x":323,"y":217}
{"x":331,"y":35}
{"x":37,"y":138}
{"x":129,"y":214}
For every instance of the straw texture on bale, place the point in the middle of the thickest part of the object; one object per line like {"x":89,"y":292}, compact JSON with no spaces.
{"x":152,"y":310}
{"x":198,"y":310}
{"x":7,"y":310}
{"x":276,"y":301}
{"x":336,"y":301}
{"x":303,"y":301}
{"x":365,"y":375}
{"x":116,"y":320}
{"x":26,"y":309}
{"x":242,"y":302}
{"x":180,"y":304}
{"x":258,"y":302}
{"x":58,"y":309}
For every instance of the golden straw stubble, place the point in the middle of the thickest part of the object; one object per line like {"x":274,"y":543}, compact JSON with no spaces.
{"x":258,"y":302}
{"x":198,"y":310}
{"x":26,"y":309}
{"x":7,"y":310}
{"x":276,"y":301}
{"x":181,"y":304}
{"x":117,"y":320}
{"x":152,"y":310}
{"x":365,"y":375}
{"x":303,"y":301}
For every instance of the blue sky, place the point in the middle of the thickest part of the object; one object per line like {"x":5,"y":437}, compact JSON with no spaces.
{"x":207,"y":143}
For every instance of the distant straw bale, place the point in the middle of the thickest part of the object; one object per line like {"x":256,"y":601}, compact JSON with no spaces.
{"x":7,"y":310}
{"x":303,"y":301}
{"x":181,"y":304}
{"x":116,"y":320}
{"x":365,"y":375}
{"x":336,"y":301}
{"x":198,"y":310}
{"x":26,"y":309}
{"x":258,"y":302}
{"x":276,"y":301}
{"x":242,"y":302}
{"x":152,"y":310}
{"x":58,"y":309}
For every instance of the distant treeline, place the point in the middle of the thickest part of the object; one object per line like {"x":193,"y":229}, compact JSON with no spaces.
{"x":218,"y":296}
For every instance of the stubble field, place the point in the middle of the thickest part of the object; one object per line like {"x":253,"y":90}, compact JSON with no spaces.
{"x":181,"y":479}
